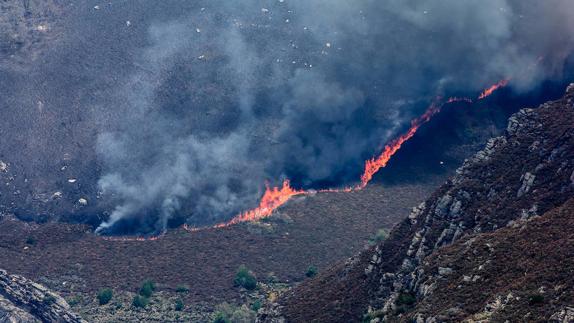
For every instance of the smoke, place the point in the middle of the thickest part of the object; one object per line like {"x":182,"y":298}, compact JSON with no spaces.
{"x":231,"y":95}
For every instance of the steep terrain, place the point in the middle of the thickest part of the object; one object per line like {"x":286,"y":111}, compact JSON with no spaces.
{"x":416,"y":273}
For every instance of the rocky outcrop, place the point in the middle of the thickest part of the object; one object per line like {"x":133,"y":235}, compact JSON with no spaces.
{"x":515,"y":178}
{"x":22,"y":300}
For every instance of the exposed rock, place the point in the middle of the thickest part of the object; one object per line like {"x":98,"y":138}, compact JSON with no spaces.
{"x":22,"y":300}
{"x":444,"y":271}
{"x":567,"y":314}
{"x":488,"y":192}
{"x":527,"y":181}
{"x":13,"y":314}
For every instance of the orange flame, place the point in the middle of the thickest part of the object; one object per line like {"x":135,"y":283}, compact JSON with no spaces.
{"x":373,"y":165}
{"x":488,"y":92}
{"x":274,"y":197}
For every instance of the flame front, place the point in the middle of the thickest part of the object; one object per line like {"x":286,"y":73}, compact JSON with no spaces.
{"x":274,"y":197}
{"x":373,"y":165}
{"x":488,"y":92}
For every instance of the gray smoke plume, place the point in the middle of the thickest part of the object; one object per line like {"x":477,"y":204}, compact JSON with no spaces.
{"x":227,"y":95}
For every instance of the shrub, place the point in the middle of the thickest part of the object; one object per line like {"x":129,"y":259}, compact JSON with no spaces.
{"x":406,"y":299}
{"x":179,"y":304}
{"x":182,"y":289}
{"x":147,"y":288}
{"x":535,"y":299}
{"x":139,"y":301}
{"x":105,"y":296}
{"x":256,"y":305}
{"x":381,"y":235}
{"x":311,"y":271}
{"x":220,"y":317}
{"x":227,"y":313}
{"x":245,"y":278}
{"x":74,"y":300}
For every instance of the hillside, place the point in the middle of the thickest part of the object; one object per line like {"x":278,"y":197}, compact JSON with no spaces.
{"x":518,"y":184}
{"x":316,"y":230}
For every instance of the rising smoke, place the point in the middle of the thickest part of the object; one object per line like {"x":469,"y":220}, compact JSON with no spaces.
{"x":238,"y":93}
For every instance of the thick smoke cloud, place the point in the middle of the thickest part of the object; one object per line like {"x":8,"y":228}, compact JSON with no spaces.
{"x":235,"y":94}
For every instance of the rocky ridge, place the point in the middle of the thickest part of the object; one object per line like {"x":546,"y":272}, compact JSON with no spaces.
{"x":22,"y":300}
{"x":517,"y":177}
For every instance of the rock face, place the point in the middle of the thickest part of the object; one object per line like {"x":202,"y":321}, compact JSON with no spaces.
{"x":22,"y":300}
{"x":517,"y":179}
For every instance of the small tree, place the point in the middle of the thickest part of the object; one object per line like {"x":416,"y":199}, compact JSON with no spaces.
{"x":105,"y":296}
{"x":245,"y":278}
{"x":139,"y":301}
{"x":147,"y":288}
{"x":311,"y":271}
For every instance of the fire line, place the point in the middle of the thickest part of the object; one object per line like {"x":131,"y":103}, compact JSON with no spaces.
{"x":275,"y":197}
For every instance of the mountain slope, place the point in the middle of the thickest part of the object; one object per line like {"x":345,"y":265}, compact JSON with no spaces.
{"x":523,"y":174}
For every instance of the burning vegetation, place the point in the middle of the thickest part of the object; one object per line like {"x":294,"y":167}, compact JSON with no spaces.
{"x":274,"y":197}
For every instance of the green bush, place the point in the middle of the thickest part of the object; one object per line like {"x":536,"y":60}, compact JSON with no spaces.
{"x":381,"y":235}
{"x":406,"y":299}
{"x":245,"y":278}
{"x":311,"y":271}
{"x":179,"y":304}
{"x":105,"y":296}
{"x":256,"y":305}
{"x":74,"y":300}
{"x":227,"y":313}
{"x":535,"y":299}
{"x":182,"y":289}
{"x":139,"y":301}
{"x":220,"y":317}
{"x":147,"y":288}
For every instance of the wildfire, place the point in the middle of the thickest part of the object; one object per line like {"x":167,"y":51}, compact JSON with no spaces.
{"x":373,"y":165}
{"x":488,"y":92}
{"x":274,"y":197}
